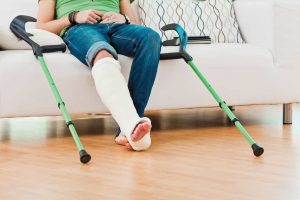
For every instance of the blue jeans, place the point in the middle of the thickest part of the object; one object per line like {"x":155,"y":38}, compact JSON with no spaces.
{"x":142,"y":43}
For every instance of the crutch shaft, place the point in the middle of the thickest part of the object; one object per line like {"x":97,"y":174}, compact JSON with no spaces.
{"x":222,"y":104}
{"x":60,"y":102}
{"x":236,"y":122}
{"x":84,"y":156}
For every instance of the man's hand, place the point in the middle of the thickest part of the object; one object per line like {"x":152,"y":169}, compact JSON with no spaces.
{"x":112,"y":17}
{"x":88,"y":17}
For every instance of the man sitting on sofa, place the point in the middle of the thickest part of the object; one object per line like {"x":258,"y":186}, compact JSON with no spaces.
{"x":96,"y":31}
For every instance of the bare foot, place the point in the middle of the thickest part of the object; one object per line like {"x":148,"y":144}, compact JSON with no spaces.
{"x":121,"y":140}
{"x":139,"y":132}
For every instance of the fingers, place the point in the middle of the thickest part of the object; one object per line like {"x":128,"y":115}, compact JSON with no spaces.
{"x":91,"y":20}
{"x":92,"y":17}
{"x":111,"y":18}
{"x":95,"y":16}
{"x":107,"y":20}
{"x":107,"y":15}
{"x":98,"y":13}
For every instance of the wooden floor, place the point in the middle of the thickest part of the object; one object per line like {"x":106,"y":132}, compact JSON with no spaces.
{"x":196,"y":154}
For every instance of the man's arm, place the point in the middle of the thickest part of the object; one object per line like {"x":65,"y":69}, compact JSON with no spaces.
{"x":126,"y":9}
{"x":46,"y":17}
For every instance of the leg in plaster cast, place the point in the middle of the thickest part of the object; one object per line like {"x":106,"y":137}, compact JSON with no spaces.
{"x":115,"y":95}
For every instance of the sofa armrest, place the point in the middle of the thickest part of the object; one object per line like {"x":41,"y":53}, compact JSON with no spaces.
{"x":255,"y":18}
{"x":10,"y":42}
{"x":287,"y":33}
{"x":275,"y":25}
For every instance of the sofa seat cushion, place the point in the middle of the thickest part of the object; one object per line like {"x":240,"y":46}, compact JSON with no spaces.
{"x":241,"y":73}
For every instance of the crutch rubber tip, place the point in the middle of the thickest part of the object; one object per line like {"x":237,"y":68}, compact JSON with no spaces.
{"x":84,"y":156}
{"x":257,"y":150}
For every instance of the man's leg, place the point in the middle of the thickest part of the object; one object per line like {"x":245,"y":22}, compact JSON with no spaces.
{"x":92,"y":48}
{"x":112,"y":88}
{"x":144,"y":45}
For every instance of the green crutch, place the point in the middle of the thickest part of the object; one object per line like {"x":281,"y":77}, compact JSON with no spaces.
{"x":182,"y":54}
{"x":17,"y":26}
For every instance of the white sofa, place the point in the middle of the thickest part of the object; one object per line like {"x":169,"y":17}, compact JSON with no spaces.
{"x":263,"y":71}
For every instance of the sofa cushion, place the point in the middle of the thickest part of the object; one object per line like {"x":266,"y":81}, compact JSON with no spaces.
{"x":9,"y":41}
{"x":215,"y":18}
{"x":238,"y":74}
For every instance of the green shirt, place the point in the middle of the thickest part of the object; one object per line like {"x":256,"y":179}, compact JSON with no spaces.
{"x":65,"y":7}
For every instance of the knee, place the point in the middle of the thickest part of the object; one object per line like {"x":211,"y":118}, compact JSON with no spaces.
{"x":100,"y":55}
{"x":153,"y":35}
{"x":152,"y":39}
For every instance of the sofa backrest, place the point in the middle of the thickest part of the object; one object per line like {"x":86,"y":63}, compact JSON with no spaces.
{"x":13,"y":8}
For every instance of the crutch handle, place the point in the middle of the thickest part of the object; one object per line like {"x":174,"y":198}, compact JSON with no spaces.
{"x":183,"y":38}
{"x":54,"y":48}
{"x":17,"y":26}
{"x":176,"y":55}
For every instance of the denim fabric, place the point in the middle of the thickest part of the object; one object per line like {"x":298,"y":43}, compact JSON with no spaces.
{"x":139,"y":42}
{"x":95,"y":48}
{"x":86,"y":40}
